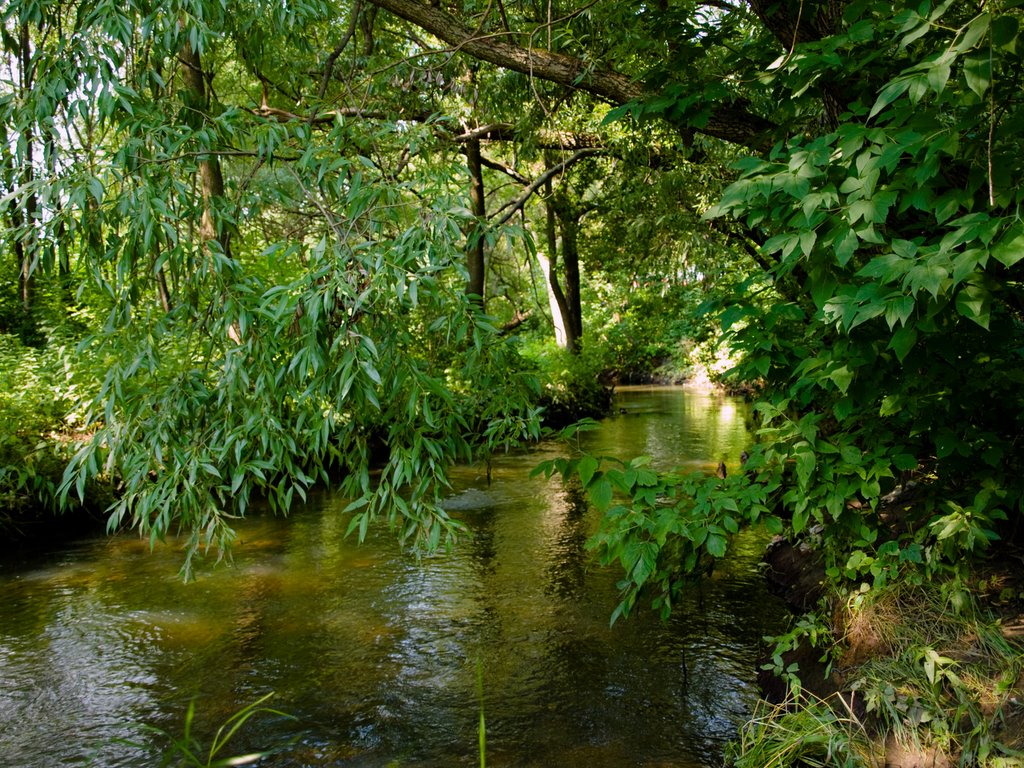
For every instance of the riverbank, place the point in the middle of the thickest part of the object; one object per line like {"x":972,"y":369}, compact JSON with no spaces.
{"x":913,"y":674}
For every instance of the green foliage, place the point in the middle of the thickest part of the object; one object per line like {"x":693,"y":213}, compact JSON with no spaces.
{"x":824,"y":733}
{"x":663,"y":530}
{"x":810,"y":629}
{"x":571,"y":385}
{"x":36,"y":426}
{"x":892,"y":349}
{"x":278,"y":302}
{"x":642,"y":328}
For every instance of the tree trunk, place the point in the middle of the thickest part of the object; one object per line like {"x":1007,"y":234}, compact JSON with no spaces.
{"x":210,"y":177}
{"x":475,"y":253}
{"x":568,"y":229}
{"x":561,"y":313}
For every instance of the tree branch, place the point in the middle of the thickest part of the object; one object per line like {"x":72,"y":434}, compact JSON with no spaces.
{"x":357,"y":8}
{"x":730,"y":123}
{"x":508,"y":170}
{"x":510,"y":208}
{"x":546,"y":138}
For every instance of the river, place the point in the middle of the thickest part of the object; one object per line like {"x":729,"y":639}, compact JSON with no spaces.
{"x":381,"y":658}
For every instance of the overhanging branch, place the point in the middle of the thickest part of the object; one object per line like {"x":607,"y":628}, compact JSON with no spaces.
{"x":732,"y":123}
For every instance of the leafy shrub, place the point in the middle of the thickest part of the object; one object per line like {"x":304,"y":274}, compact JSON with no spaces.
{"x":571,"y":386}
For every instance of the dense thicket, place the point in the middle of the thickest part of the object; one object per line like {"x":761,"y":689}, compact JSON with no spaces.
{"x":268,"y":235}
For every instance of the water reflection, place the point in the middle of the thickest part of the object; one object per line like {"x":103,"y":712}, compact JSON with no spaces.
{"x":377,"y":654}
{"x":691,"y":432}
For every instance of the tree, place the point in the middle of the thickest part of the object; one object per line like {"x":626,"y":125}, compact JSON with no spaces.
{"x":886,"y":326}
{"x":285,"y":317}
{"x":312,"y":324}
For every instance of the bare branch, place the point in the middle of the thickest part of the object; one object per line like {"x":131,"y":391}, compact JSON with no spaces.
{"x":546,"y":139}
{"x":509,"y":210}
{"x":508,"y":170}
{"x":357,"y":7}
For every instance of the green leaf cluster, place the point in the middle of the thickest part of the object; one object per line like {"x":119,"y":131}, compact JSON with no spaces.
{"x":664,"y":530}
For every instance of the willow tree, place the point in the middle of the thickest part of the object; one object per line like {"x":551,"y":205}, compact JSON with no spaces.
{"x":279,"y":255}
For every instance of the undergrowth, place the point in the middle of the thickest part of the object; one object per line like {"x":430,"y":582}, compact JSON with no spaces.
{"x":916,"y":677}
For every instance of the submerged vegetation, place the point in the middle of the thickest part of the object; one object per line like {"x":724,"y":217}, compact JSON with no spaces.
{"x":253,"y":248}
{"x":187,"y":751}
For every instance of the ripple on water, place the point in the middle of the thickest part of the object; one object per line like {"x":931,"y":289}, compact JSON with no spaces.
{"x":380,"y":655}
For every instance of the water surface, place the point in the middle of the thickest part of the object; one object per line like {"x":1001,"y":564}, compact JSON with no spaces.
{"x":379,"y":656}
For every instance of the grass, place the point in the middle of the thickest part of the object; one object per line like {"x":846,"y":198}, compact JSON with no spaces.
{"x":941,"y":681}
{"x":482,"y":726}
{"x":186,"y":751}
{"x":804,"y":732}
{"x":921,"y":684}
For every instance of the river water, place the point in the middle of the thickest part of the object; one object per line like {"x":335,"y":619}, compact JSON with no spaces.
{"x":381,"y":659}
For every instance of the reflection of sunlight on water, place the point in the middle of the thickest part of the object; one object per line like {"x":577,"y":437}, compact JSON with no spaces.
{"x":726,"y":412}
{"x":376,"y":652}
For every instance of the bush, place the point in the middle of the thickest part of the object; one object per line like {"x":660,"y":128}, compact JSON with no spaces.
{"x":37,"y":435}
{"x":572,"y":386}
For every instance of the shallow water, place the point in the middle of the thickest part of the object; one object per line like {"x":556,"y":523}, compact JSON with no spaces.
{"x":378,"y":656}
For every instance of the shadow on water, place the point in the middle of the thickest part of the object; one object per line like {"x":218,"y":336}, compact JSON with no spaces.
{"x":375,"y":653}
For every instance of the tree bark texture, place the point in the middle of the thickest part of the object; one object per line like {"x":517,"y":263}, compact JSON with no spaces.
{"x":475,"y":257}
{"x":568,"y":230}
{"x":561,"y":312}
{"x":210,"y":177}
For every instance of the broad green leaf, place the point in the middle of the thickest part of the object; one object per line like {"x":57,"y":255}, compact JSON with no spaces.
{"x":888,"y":95}
{"x":805,"y":463}
{"x":903,"y":341}
{"x":927,"y":276}
{"x":938,"y":75}
{"x":586,"y":468}
{"x":846,"y":246}
{"x":601,"y":493}
{"x":1010,"y":248}
{"x":715,"y":545}
{"x":974,"y":302}
{"x":646,"y":477}
{"x":899,"y":310}
{"x":842,"y":377}
{"x":972,"y":33}
{"x":800,"y":517}
{"x":978,"y":72}
{"x":1005,"y":31}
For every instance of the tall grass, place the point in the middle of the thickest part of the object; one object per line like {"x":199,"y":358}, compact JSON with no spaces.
{"x":482,"y":726}
{"x":804,"y":732}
